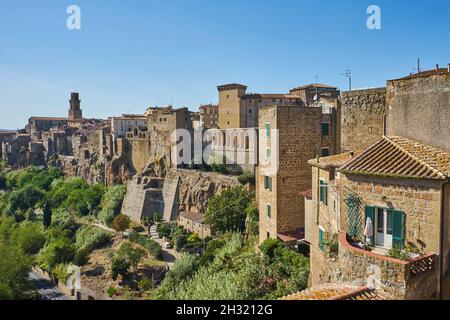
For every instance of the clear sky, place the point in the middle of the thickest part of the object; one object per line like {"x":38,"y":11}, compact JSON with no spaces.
{"x":133,"y":54}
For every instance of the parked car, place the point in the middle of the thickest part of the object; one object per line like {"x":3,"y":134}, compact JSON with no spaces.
{"x":167,"y":245}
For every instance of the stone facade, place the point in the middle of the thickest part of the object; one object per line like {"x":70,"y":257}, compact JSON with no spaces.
{"x":421,"y":202}
{"x":237,"y":109}
{"x":362,"y":118}
{"x":418,"y":107}
{"x":280,"y":205}
{"x":209,"y":116}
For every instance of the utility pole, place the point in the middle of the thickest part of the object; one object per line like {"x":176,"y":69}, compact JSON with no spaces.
{"x":348,"y":74}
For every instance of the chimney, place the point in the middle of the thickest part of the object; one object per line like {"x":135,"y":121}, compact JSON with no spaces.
{"x":437,"y":67}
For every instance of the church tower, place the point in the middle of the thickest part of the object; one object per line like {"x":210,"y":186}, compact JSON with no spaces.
{"x":75,"y":112}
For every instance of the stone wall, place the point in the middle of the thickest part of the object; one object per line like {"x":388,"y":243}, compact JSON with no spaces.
{"x":418,"y":108}
{"x":300,"y":139}
{"x":362,"y":118}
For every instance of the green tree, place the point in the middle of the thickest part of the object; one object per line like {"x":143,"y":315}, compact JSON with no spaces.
{"x":227,"y":210}
{"x":29,"y":237}
{"x":47,"y":216}
{"x":27,"y":197}
{"x":111,"y":203}
{"x":59,"y":250}
{"x":121,"y":223}
{"x":128,"y":256}
{"x":15,"y":266}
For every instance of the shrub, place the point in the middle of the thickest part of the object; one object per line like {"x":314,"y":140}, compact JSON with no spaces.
{"x":145,"y":284}
{"x":111,"y":203}
{"x":152,"y":247}
{"x":29,"y":237}
{"x":121,"y":223}
{"x":180,"y":242}
{"x":57,"y":251}
{"x":2,"y":182}
{"x":226,"y":211}
{"x":128,"y":256}
{"x":25,"y":198}
{"x":89,"y":238}
{"x":111,"y":292}
{"x":81,"y":258}
{"x":247,"y":178}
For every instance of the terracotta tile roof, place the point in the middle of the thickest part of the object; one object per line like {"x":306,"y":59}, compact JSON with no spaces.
{"x":293,"y":235}
{"x":337,"y":292}
{"x":314,"y":85}
{"x":193,"y":216}
{"x":401,"y":158}
{"x":270,"y":96}
{"x":331,"y":161}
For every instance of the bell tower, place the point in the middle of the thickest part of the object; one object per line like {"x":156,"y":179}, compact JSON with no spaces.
{"x":75,"y":112}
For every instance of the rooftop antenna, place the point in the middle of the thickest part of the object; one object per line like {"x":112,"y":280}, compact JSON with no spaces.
{"x":348,"y":74}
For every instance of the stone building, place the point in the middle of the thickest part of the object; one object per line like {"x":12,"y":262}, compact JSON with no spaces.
{"x":125,"y":123}
{"x":195,"y":222}
{"x":288,"y":138}
{"x":237,"y":109}
{"x":362,"y":118}
{"x":402,"y":188}
{"x":5,"y":136}
{"x":315,"y":93}
{"x":162,"y":124}
{"x":209,"y":116}
{"x":37,"y":125}
{"x":420,"y":101}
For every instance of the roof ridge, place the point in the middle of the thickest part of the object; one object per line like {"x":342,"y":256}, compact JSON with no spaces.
{"x":432,"y":168}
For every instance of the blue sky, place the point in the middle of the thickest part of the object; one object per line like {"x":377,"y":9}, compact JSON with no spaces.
{"x":133,"y":54}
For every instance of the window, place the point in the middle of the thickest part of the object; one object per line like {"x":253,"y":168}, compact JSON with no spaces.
{"x":388,"y":227}
{"x":325,"y":152}
{"x":269,"y":211}
{"x":323,"y":192}
{"x":250,"y":111}
{"x":268,"y":154}
{"x":321,"y":239}
{"x":268,"y":129}
{"x":268,"y":235}
{"x":325,"y":129}
{"x":268,"y":183}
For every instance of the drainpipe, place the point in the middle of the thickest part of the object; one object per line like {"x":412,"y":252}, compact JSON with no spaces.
{"x":441,"y":241}
{"x":318,"y":192}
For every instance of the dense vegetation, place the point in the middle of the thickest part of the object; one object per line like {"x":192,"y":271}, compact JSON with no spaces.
{"x":45,"y":221}
{"x":232,"y":269}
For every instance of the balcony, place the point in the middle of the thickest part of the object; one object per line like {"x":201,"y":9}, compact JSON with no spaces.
{"x":398,"y":278}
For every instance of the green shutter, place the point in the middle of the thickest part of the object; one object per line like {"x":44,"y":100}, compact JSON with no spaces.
{"x":370,"y":213}
{"x":269,"y":211}
{"x":321,"y":239}
{"x":270,"y":183}
{"x":265,"y":183}
{"x":268,"y":130}
{"x":323,"y":192}
{"x":325,"y":129}
{"x":398,"y":226}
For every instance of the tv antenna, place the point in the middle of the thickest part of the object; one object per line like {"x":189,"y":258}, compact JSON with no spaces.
{"x":348,"y":74}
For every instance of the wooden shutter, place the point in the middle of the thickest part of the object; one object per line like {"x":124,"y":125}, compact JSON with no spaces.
{"x":321,"y":239}
{"x":370,"y":213}
{"x":398,"y":226}
{"x":268,"y":130}
{"x":270,"y":183}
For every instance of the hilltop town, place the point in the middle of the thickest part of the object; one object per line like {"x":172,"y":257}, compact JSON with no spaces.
{"x":356,"y":181}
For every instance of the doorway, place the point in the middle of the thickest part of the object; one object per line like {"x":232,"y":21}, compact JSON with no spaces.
{"x":384,"y":228}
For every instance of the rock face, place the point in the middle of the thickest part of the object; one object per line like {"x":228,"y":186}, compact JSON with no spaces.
{"x":196,"y":188}
{"x":179,"y":191}
{"x":94,"y":169}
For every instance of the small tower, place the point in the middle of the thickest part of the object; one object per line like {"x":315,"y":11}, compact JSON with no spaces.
{"x":75,"y":112}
